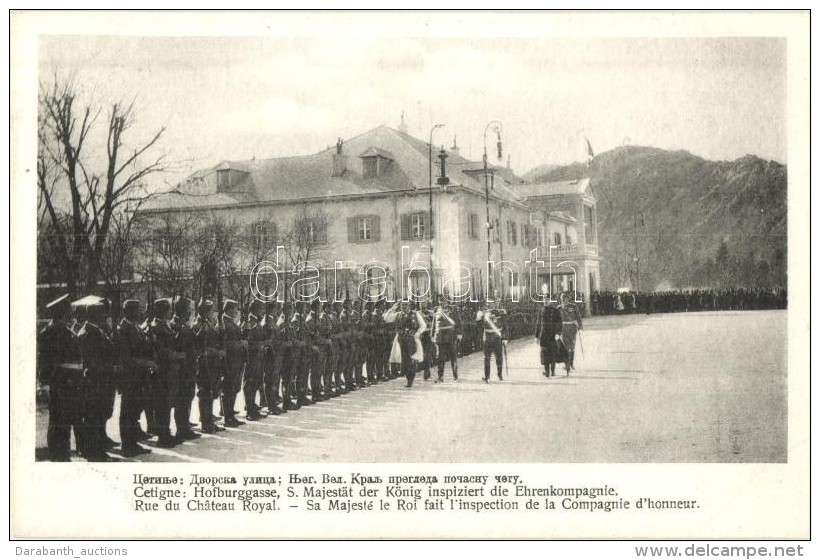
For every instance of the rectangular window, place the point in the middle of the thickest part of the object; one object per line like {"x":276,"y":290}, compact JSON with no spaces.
{"x":365,"y":227}
{"x":472,"y":226}
{"x":589,"y":230}
{"x":262,"y":236}
{"x":512,"y":233}
{"x":416,"y":226}
{"x":497,"y":231}
{"x":362,"y":229}
{"x":317,"y":233}
{"x":557,"y":239}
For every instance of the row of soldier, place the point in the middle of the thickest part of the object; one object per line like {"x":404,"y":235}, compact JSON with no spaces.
{"x":280,"y":357}
{"x":670,"y":301}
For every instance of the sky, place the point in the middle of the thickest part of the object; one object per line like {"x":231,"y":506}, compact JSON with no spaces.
{"x":274,"y":95}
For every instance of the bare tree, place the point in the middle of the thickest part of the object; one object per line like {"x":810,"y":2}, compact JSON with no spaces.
{"x":306,"y":241}
{"x":66,"y":174}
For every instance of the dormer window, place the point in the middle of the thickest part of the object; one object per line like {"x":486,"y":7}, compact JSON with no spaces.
{"x":223,"y":179}
{"x":375,"y":162}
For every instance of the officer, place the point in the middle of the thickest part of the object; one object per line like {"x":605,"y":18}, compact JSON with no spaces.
{"x":138,"y":367}
{"x":425,"y":319}
{"x":274,"y":355}
{"x":255,"y":336}
{"x":97,"y":349}
{"x":493,"y":323}
{"x":446,"y":333}
{"x":61,"y":371}
{"x":210,"y":360}
{"x":405,"y":325}
{"x":183,"y":359}
{"x":548,"y":331}
{"x":572,"y":323}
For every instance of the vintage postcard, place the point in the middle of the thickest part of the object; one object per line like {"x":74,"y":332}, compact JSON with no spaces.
{"x":338,"y":275}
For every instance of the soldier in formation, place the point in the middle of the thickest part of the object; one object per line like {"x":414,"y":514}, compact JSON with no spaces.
{"x":281,"y":357}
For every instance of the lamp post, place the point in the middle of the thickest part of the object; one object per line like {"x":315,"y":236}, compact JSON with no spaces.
{"x":496,"y":127}
{"x":637,"y":260}
{"x":430,"y":195}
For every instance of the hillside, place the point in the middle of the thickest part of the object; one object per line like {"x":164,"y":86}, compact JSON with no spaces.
{"x":705,"y":223}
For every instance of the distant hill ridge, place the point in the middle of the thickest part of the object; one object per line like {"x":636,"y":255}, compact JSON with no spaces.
{"x":705,"y":223}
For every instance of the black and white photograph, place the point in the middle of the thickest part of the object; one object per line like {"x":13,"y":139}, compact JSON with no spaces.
{"x":357,"y":250}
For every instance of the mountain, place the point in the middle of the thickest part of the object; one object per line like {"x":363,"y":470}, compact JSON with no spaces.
{"x":705,"y":223}
{"x":532,"y":175}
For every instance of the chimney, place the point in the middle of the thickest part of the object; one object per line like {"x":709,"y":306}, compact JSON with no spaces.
{"x":454,"y":149}
{"x":339,"y":160}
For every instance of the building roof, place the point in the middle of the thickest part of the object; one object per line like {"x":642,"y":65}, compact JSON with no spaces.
{"x":312,"y":176}
{"x":530,"y":190}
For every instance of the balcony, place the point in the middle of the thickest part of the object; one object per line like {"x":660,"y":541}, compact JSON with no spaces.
{"x":568,"y":251}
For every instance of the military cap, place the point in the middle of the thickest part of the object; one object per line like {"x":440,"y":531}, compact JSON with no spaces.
{"x":162,"y":305}
{"x":91,"y":304}
{"x":182,"y":305}
{"x":315,"y":304}
{"x":326,"y":305}
{"x":131,"y":305}
{"x":205,"y":303}
{"x":229,"y":304}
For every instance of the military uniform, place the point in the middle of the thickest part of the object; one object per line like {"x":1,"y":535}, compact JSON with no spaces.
{"x":325,"y":334}
{"x":138,"y":368}
{"x":210,"y":363}
{"x":236,"y":350}
{"x":405,"y":325}
{"x":61,"y":369}
{"x":183,"y":360}
{"x":274,"y":355}
{"x":315,"y":354}
{"x":493,"y":324}
{"x":572,"y":323}
{"x":167,"y":374}
{"x":98,"y":360}
{"x":446,"y":332}
{"x":256,"y":338}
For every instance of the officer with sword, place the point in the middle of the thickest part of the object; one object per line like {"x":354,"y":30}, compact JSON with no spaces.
{"x":493,"y":320}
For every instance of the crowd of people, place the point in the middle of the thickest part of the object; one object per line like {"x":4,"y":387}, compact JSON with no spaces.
{"x":281,"y":357}
{"x":670,"y":301}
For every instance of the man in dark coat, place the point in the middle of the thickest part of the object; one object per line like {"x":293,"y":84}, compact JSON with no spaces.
{"x":548,"y":331}
{"x":183,"y":356}
{"x":138,"y":367}
{"x":167,"y":375}
{"x":98,"y":364}
{"x":60,"y":375}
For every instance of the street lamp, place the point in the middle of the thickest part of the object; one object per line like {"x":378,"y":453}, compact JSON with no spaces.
{"x":496,"y":127}
{"x":637,"y":260}
{"x":430,"y":195}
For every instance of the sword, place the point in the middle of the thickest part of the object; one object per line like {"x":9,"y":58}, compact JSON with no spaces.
{"x":581,"y":342}
{"x":506,"y":361}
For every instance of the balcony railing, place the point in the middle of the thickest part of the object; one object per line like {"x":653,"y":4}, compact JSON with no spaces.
{"x":565,"y":249}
